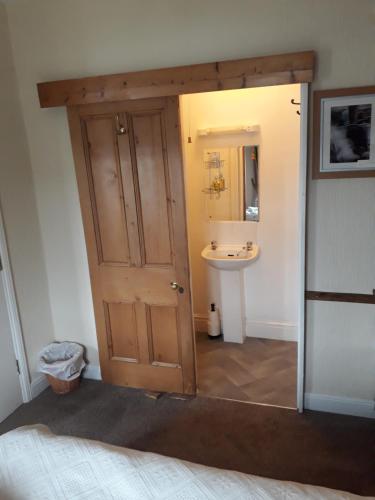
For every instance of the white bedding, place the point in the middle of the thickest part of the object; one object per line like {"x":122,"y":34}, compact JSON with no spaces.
{"x":36,"y":464}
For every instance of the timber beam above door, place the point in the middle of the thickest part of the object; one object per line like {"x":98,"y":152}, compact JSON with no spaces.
{"x":297,"y":67}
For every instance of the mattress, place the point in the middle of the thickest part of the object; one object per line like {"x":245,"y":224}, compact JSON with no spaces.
{"x":36,"y":464}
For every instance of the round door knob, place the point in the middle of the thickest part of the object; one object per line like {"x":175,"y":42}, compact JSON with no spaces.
{"x":176,"y":286}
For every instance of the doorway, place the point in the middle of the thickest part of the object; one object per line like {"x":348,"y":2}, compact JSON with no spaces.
{"x":13,"y":366}
{"x":10,"y":395}
{"x":245,"y":177}
{"x":117,"y":279}
{"x":130,"y":178}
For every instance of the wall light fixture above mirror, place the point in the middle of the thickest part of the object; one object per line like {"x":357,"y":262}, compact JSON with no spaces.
{"x":249,"y":129}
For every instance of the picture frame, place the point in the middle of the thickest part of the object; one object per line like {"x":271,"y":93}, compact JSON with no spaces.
{"x":344,"y":133}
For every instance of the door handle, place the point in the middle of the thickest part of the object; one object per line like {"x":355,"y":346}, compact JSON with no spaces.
{"x":176,"y":286}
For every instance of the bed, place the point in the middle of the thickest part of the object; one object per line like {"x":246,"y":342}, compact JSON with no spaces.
{"x":36,"y":464}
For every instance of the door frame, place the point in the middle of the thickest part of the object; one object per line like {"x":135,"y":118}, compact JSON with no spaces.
{"x":302,"y":188}
{"x":281,"y":69}
{"x":14,"y":317}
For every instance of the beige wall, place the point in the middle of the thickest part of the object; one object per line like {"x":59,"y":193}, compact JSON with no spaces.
{"x":271,"y":282}
{"x":19,"y":210}
{"x":55,"y":39}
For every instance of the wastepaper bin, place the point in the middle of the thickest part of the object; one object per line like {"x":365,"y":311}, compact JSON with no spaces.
{"x":62,"y":362}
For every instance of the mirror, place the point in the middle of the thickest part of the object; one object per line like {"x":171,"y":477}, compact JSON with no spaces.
{"x":232,"y":183}
{"x":251,"y":183}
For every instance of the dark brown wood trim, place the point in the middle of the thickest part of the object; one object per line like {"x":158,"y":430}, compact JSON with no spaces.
{"x":318,"y":96}
{"x":297,"y":67}
{"x":359,"y":298}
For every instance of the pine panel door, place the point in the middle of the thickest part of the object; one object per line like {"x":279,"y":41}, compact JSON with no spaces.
{"x":130,"y":180}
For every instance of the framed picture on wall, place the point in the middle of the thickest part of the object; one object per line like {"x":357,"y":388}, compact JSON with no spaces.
{"x":344,"y":133}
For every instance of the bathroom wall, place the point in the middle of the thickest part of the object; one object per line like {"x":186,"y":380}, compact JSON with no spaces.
{"x":271,"y":281}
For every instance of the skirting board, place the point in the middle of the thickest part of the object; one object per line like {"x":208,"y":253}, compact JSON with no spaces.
{"x":271,"y":330}
{"x":201,"y":323}
{"x":40,"y":383}
{"x":344,"y":406}
{"x":260,"y":329}
{"x":92,"y":372}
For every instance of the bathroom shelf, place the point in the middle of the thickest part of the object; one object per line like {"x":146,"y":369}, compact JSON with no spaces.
{"x":247,"y":129}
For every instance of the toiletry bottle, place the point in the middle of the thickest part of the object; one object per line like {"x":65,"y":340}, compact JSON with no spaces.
{"x":213,"y":322}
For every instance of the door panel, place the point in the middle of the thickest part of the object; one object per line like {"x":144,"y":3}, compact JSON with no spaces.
{"x":122,"y":331}
{"x":106,"y":190}
{"x":130,"y":180}
{"x":164,"y":344}
{"x":153,"y":188}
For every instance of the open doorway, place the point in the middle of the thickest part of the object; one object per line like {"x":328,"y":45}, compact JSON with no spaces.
{"x":244,"y":188}
{"x":16,"y":388}
{"x":131,"y":184}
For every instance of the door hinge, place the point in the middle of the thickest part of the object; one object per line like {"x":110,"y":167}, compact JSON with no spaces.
{"x":18,"y":367}
{"x":1,"y":264}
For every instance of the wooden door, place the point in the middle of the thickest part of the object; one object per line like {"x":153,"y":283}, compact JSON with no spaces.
{"x":130,"y":180}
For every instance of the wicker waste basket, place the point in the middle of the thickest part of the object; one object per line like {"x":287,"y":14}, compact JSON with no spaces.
{"x":63,"y":386}
{"x":62,"y":363}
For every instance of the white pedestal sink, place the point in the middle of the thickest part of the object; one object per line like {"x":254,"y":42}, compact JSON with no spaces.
{"x":231,"y":260}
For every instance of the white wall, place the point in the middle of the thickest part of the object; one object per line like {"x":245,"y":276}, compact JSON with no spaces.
{"x":19,"y":210}
{"x":271,"y":281}
{"x":55,"y":39}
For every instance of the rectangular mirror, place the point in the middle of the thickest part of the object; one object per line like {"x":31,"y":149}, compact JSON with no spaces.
{"x":231,"y":178}
{"x":251,"y":183}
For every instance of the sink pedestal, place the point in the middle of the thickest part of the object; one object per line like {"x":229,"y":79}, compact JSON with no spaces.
{"x":230,"y":261}
{"x":233,"y":305}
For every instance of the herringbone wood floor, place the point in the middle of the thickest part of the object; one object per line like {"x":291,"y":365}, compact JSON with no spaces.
{"x":257,"y":371}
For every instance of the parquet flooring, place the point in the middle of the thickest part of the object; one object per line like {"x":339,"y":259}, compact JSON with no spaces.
{"x":258,"y":371}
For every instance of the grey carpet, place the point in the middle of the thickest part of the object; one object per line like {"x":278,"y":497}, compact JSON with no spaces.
{"x":328,"y":450}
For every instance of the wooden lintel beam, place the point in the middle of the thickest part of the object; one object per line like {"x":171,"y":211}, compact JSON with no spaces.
{"x":242,"y":73}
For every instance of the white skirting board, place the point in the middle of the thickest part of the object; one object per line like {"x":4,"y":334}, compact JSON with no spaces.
{"x":201,"y":323}
{"x":336,"y":404}
{"x":92,"y":372}
{"x":40,"y":383}
{"x":274,"y":330}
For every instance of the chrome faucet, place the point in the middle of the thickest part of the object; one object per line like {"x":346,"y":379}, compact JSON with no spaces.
{"x":249,"y":246}
{"x":213,"y":245}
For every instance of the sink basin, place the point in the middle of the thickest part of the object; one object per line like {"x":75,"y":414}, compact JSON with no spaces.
{"x":229,"y":257}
